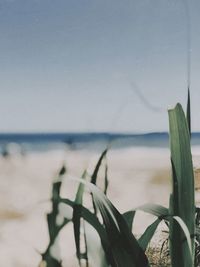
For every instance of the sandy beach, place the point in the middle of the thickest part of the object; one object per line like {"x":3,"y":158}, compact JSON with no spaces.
{"x":136,"y":175}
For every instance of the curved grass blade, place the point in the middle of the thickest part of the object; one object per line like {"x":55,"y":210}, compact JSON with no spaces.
{"x":53,"y":228}
{"x":186,"y":233}
{"x":93,"y":221}
{"x":51,"y":217}
{"x":89,"y":217}
{"x":124,"y":249}
{"x":76,"y":218}
{"x":96,"y":170}
{"x":148,"y":234}
{"x":129,"y":217}
{"x":95,"y":173}
{"x":157,"y":210}
{"x":106,"y":183}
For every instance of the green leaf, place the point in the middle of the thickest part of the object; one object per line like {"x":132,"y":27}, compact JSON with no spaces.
{"x":188,"y":116}
{"x":48,"y":261}
{"x":124,"y":249}
{"x":182,"y":199}
{"x":186,"y":233}
{"x":51,"y":217}
{"x":95,"y":173}
{"x":96,"y":170}
{"x":148,"y":234}
{"x":129,"y":217}
{"x":62,"y":171}
{"x":106,"y":179}
{"x":154,"y":209}
{"x":89,"y":217}
{"x":76,"y":218}
{"x":53,"y":228}
{"x":183,"y":167}
{"x":80,"y":191}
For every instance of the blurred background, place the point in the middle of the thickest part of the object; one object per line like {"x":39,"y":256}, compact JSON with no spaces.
{"x":76,"y":76}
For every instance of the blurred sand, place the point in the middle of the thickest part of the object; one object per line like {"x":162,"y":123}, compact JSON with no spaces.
{"x":136,"y":175}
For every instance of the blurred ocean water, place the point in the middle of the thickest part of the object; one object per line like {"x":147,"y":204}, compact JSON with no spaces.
{"x":93,"y":141}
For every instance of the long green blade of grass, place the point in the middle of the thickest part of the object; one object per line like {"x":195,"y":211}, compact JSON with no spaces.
{"x":129,"y":217}
{"x":188,"y":113}
{"x":106,"y":181}
{"x":148,"y":234}
{"x":186,"y":233}
{"x":53,"y":227}
{"x":157,"y":210}
{"x":95,"y":174}
{"x":182,"y":199}
{"x":96,"y":169}
{"x":76,"y":219}
{"x":89,"y":217}
{"x":124,"y":249}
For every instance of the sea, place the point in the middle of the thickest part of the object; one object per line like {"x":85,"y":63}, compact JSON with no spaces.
{"x":39,"y":142}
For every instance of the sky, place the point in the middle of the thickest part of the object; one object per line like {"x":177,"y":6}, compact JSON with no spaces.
{"x":96,"y":65}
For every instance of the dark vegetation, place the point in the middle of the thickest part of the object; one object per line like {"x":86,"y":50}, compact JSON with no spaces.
{"x":181,"y":248}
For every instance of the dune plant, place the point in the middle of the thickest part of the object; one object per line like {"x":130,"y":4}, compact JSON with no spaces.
{"x":121,"y":248}
{"x":181,"y":213}
{"x":182,"y":202}
{"x":114,"y":229}
{"x":53,"y":227}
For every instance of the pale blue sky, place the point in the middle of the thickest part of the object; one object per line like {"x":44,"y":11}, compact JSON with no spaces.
{"x":73,"y":65}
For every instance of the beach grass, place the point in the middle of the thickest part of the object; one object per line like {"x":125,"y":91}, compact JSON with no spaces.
{"x":120,"y":246}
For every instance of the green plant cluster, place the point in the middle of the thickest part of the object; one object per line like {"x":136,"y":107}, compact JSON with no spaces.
{"x":121,"y":248}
